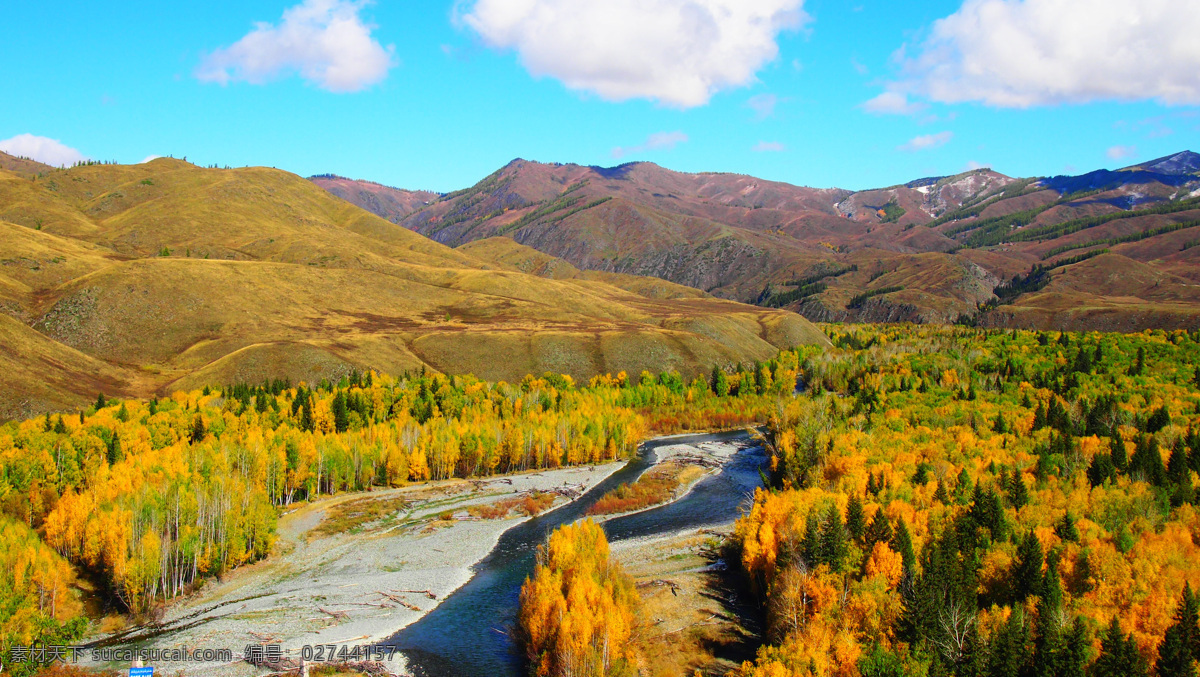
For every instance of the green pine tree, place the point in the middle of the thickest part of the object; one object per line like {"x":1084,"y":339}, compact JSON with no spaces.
{"x":199,"y":430}
{"x":810,"y":547}
{"x":834,"y":548}
{"x":306,"y":416}
{"x":1119,"y":656}
{"x":1027,"y":569}
{"x":720,"y":382}
{"x":341,"y":414}
{"x":856,"y":519}
{"x":115,"y":453}
{"x":1018,"y":493}
{"x":1120,"y":457}
{"x":1066,"y":529}
{"x":902,"y":543}
{"x":1181,"y":644}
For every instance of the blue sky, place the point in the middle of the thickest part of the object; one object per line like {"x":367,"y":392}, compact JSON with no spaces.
{"x":434,"y":95}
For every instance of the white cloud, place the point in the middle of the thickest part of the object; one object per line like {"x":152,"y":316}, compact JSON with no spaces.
{"x":927,"y":141}
{"x":1021,"y":53}
{"x":656,"y":141}
{"x":677,"y":52}
{"x":763,"y":105}
{"x":769,"y":147}
{"x":973,"y":165}
{"x":1121,"y":152}
{"x":47,"y":151}
{"x":325,"y":41}
{"x":893,"y":103}
{"x":149,"y":158}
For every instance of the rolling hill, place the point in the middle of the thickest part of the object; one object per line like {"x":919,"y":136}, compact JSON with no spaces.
{"x":142,"y":279}
{"x":931,"y":250}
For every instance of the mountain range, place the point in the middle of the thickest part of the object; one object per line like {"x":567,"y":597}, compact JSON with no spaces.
{"x":1106,"y":250}
{"x":140,"y":280}
{"x":143,"y":279}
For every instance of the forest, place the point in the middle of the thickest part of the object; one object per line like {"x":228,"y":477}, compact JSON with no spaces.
{"x":939,"y":500}
{"x":960,"y":502}
{"x":951,"y":501}
{"x":147,"y":499}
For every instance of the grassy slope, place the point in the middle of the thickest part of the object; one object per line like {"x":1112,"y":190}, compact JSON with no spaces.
{"x":1109,"y":291}
{"x":150,"y":277}
{"x":734,"y":235}
{"x":22,"y":166}
{"x":38,"y":374}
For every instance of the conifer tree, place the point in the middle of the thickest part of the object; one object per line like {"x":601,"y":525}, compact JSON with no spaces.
{"x":199,"y":430}
{"x":115,"y":454}
{"x":999,"y":425}
{"x":963,"y":487}
{"x":810,"y":547}
{"x":719,"y":382}
{"x":1101,"y":469}
{"x":1181,"y":643}
{"x":1120,"y":457}
{"x":856,"y":519}
{"x":833,"y":540}
{"x":940,"y":494}
{"x":1075,"y":650}
{"x":1119,"y":656}
{"x":341,"y":415}
{"x":1018,"y":493}
{"x":1039,"y":417}
{"x":1027,"y":569}
{"x":1147,"y":461}
{"x":307,"y":423}
{"x":1159,"y":419}
{"x":1009,"y":655}
{"x":902,"y":543}
{"x":879,"y":530}
{"x":1066,"y":529}
{"x":1140,"y":365}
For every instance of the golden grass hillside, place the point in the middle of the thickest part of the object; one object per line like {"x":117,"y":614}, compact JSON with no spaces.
{"x":511,"y":255}
{"x":142,"y":279}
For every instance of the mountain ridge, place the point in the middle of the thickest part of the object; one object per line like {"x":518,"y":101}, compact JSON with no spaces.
{"x":137,"y":280}
{"x":743,"y":238}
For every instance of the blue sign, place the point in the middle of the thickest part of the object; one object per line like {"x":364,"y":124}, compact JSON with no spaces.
{"x":141,"y":672}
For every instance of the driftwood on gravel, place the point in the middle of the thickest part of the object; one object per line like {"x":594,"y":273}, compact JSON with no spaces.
{"x":675,"y":587}
{"x":300,"y":667}
{"x":399,"y":601}
{"x":569,"y":491}
{"x":340,"y":615}
{"x":694,"y":459}
{"x":427,"y":593}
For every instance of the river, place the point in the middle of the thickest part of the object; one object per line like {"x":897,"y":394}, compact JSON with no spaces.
{"x":467,"y":635}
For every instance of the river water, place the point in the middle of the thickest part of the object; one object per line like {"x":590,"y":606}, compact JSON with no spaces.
{"x":467,"y":635}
